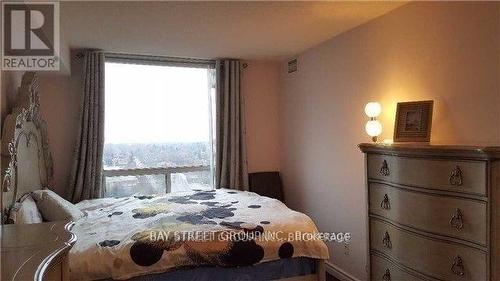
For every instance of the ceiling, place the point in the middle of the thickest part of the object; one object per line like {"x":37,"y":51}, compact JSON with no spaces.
{"x":249,"y":30}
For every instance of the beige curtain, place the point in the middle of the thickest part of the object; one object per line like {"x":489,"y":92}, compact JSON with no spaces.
{"x":86,"y":174}
{"x":230,"y":158}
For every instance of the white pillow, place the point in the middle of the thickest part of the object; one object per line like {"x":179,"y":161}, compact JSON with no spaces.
{"x":55,"y":208}
{"x":25,"y":211}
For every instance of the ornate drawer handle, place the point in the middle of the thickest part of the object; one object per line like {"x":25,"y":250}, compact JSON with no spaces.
{"x":385,"y":204}
{"x":387,"y":275}
{"x":456,"y":177}
{"x":457,"y":220}
{"x":384,"y":170}
{"x":458,"y":266}
{"x":387,"y":240}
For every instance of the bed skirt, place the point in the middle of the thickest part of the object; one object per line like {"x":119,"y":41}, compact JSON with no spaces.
{"x":272,"y":270}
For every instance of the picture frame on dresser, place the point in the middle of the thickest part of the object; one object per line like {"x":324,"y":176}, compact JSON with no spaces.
{"x":413,"y":121}
{"x":433,"y":211}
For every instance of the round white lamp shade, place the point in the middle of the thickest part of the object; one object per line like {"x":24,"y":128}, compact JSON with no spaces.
{"x":373,"y":128}
{"x":373,"y":109}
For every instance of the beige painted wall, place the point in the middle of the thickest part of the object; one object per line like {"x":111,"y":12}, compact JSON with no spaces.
{"x":59,"y":103}
{"x":7,"y":89}
{"x":3,"y":113}
{"x":260,"y":86}
{"x":448,"y":52}
{"x":10,"y":81}
{"x":3,"y":97}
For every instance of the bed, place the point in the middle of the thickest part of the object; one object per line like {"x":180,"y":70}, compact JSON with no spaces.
{"x":218,"y":234}
{"x":126,"y":237}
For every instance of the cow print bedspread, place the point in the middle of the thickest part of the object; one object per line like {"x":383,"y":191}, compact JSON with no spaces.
{"x":125,"y":237}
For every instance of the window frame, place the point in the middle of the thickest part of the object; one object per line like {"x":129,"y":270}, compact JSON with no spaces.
{"x":158,"y":60}
{"x":166,"y":171}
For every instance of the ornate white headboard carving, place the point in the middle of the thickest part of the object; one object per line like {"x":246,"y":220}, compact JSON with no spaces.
{"x":30,"y":166}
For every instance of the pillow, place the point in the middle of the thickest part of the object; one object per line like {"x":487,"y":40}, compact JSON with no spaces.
{"x":25,"y":211}
{"x":55,"y":208}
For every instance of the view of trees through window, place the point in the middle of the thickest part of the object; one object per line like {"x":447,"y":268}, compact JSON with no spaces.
{"x":157,"y":117}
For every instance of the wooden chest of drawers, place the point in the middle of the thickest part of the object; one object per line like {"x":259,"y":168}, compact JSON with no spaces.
{"x":434,"y":212}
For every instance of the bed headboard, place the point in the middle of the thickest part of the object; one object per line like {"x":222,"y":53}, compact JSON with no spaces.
{"x":30,"y":166}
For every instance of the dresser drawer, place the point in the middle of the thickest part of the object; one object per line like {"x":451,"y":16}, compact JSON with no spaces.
{"x":457,"y":176}
{"x":432,"y":213}
{"x":432,"y":257}
{"x":382,"y":268}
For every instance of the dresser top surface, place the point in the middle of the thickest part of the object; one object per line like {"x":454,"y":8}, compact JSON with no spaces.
{"x":423,"y":149}
{"x":27,"y":250}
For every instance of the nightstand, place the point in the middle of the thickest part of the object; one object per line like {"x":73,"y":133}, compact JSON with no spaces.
{"x":36,"y":251}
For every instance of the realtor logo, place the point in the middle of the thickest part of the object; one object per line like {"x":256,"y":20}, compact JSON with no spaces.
{"x":30,"y":36}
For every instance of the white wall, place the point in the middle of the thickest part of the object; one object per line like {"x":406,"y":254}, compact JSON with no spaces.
{"x":444,"y":51}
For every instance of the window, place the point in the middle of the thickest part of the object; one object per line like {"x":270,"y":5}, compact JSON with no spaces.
{"x":158,"y":128}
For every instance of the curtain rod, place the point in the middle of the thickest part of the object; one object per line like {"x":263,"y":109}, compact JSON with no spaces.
{"x":158,"y":60}
{"x":155,"y":59}
{"x":150,"y":59}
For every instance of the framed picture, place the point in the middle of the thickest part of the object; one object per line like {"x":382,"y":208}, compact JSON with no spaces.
{"x":413,"y":121}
